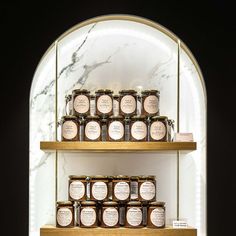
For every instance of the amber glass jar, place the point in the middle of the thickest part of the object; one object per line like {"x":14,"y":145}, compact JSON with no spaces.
{"x":147,"y":188}
{"x":133,"y":188}
{"x":104,"y":102}
{"x":121,"y":188}
{"x":99,"y":188}
{"x":116,"y":129}
{"x":110,"y":215}
{"x":77,"y":187}
{"x":158,"y":129}
{"x":156,"y":215}
{"x":81,"y":102}
{"x":128,"y":103}
{"x":134,"y":215}
{"x":150,"y":102}
{"x":93,"y":129}
{"x":116,"y":102}
{"x":88,"y":214}
{"x":138,"y":128}
{"x":65,"y":214}
{"x":70,"y":128}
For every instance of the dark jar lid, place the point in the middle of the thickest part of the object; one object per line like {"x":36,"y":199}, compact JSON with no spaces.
{"x":116,"y":96}
{"x":116,"y":117}
{"x":68,"y":117}
{"x":92,"y":96}
{"x":80,"y":91}
{"x":104,"y":91}
{"x":134,"y":177}
{"x":137,"y":118}
{"x":110,"y":203}
{"x":134,"y":203}
{"x":121,"y":177}
{"x":150,"y":92}
{"x":92,"y":118}
{"x":99,"y":177}
{"x":78,"y":177}
{"x":157,"y":203}
{"x":154,"y":118}
{"x":147,"y":177}
{"x":128,"y":91}
{"x":88,"y":203}
{"x":64,"y":203}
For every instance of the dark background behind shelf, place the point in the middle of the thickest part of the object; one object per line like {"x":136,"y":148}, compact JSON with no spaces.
{"x":208,"y":29}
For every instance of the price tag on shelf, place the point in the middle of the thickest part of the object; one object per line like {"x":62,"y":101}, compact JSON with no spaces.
{"x":179,"y":224}
{"x":183,"y":137}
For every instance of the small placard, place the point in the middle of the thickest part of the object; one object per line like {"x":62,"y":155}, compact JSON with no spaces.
{"x":180,"y":224}
{"x":183,"y":137}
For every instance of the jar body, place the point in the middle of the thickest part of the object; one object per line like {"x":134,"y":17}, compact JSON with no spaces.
{"x":99,"y":189}
{"x":104,"y":103}
{"x":116,"y":129}
{"x":128,"y":103}
{"x":81,"y":102}
{"x":93,"y":129}
{"x":65,"y":216}
{"x":138,"y":129}
{"x":77,"y":188}
{"x":88,"y":216}
{"x":150,"y":102}
{"x":110,"y":216}
{"x":134,"y":217}
{"x":156,"y":217}
{"x":146,"y":189}
{"x":121,"y":190}
{"x":70,"y":129}
{"x":158,"y":129}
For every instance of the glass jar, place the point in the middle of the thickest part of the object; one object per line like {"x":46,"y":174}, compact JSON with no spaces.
{"x":104,"y":102}
{"x":138,"y":128}
{"x":104,"y":123}
{"x":127,"y":121}
{"x":116,"y":101}
{"x":133,"y":188}
{"x":93,"y":129}
{"x":88,"y":214}
{"x":170,"y":130}
{"x":65,"y":214}
{"x":92,"y":105}
{"x":146,"y":188}
{"x":156,"y":215}
{"x":128,"y":103}
{"x":158,"y":129}
{"x":134,"y":215}
{"x":68,"y":105}
{"x":110,"y":215}
{"x":99,"y":188}
{"x":116,"y":130}
{"x":150,"y":102}
{"x":110,"y":184}
{"x":70,"y":128}
{"x":121,"y":188}
{"x":77,"y":187}
{"x":122,"y":210}
{"x":81,"y":102}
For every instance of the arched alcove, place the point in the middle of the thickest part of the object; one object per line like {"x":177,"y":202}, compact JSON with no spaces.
{"x":118,"y":52}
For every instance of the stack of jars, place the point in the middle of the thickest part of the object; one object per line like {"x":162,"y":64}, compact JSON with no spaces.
{"x":111,"y":202}
{"x":107,"y":117}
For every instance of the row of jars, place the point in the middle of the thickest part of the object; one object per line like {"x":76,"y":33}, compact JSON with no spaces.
{"x":105,"y":104}
{"x":110,"y":214}
{"x":117,"y":128}
{"x":119,"y":188}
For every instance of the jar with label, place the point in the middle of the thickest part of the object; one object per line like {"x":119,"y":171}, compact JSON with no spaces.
{"x":65,"y":214}
{"x":110,"y":215}
{"x":158,"y":129}
{"x":121,"y":188}
{"x":104,"y":102}
{"x":147,"y":188}
{"x":68,"y":105}
{"x":77,"y":187}
{"x":138,"y":128}
{"x":156,"y":215}
{"x":93,"y":129}
{"x":99,"y":188}
{"x":134,"y":215}
{"x":170,"y":130}
{"x":92,"y":105}
{"x":70,"y":128}
{"x":116,"y":102}
{"x":134,"y":188}
{"x":116,"y":129}
{"x":81,"y":102}
{"x":88,"y":214}
{"x":128,"y":103}
{"x":150,"y":102}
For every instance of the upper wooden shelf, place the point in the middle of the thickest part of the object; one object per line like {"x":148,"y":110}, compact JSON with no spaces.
{"x":116,"y":146}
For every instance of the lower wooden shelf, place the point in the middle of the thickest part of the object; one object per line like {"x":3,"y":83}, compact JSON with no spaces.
{"x":49,"y":230}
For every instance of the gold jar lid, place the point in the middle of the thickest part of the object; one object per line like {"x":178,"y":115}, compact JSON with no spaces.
{"x":157,"y":203}
{"x":116,"y":117}
{"x":147,"y":177}
{"x":110,"y":203}
{"x":77,"y":176}
{"x":99,"y":177}
{"x":68,"y":117}
{"x":80,"y":91}
{"x":65,"y":203}
{"x":159,"y":118}
{"x":151,"y":91}
{"x":128,"y":91}
{"x":134,"y":177}
{"x":92,"y":118}
{"x":126,"y":177}
{"x":134,"y":203}
{"x":103,"y":91}
{"x":88,"y":203}
{"x":139,"y":117}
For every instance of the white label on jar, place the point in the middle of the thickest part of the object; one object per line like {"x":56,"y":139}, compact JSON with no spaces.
{"x":92,"y":130}
{"x":134,"y":216}
{"x":122,"y":190}
{"x":115,"y":107}
{"x":110,"y":216}
{"x":151,"y":104}
{"x":157,"y":130}
{"x":88,"y":216}
{"x":116,"y":130}
{"x":134,"y":190}
{"x":81,"y":104}
{"x":128,"y":104}
{"x":99,"y":190}
{"x":104,"y":104}
{"x":147,"y":190}
{"x":69,"y":129}
{"x":158,"y":217}
{"x":77,"y":190}
{"x":64,"y":216}
{"x":139,"y":130}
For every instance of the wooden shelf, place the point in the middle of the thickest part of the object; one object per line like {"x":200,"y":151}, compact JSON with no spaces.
{"x":49,"y":230}
{"x":117,"y":146}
